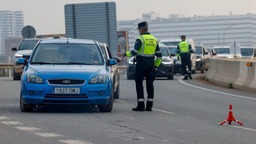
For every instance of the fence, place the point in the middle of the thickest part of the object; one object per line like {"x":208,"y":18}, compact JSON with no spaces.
{"x":6,"y":69}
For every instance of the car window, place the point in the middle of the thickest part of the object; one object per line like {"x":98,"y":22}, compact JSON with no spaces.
{"x":66,"y":53}
{"x":199,"y":50}
{"x":28,"y":44}
{"x":173,"y":49}
{"x":222,"y":50}
{"x":164,"y":51}
{"x":246,"y":51}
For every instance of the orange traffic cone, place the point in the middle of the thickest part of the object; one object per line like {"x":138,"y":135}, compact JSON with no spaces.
{"x":230,"y":117}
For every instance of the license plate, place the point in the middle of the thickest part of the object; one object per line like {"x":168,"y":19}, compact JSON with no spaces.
{"x":67,"y":90}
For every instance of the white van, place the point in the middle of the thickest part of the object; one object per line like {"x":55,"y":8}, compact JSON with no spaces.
{"x":175,"y":42}
{"x":248,"y":52}
{"x":227,"y":51}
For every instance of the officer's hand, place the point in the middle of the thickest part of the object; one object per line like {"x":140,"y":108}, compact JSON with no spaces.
{"x":178,"y":58}
{"x":124,"y":55}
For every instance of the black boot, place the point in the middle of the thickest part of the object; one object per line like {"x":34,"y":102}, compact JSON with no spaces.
{"x":149,"y":106}
{"x":140,"y":107}
{"x":190,"y":75}
{"x":185,"y":78}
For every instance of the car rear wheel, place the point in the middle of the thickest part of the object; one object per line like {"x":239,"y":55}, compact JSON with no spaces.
{"x":15,"y":76}
{"x":109,"y":106}
{"x":25,"y":107}
{"x":116,"y":93}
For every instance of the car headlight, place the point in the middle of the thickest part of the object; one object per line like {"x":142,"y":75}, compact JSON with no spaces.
{"x":199,"y":59}
{"x":167,"y":61}
{"x":18,"y":55}
{"x":34,"y":79}
{"x":100,"y":79}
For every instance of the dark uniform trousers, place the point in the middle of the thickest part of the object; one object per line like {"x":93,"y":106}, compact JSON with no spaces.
{"x":185,"y":61}
{"x":145,"y":68}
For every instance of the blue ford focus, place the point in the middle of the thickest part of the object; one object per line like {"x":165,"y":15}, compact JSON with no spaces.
{"x":67,"y":71}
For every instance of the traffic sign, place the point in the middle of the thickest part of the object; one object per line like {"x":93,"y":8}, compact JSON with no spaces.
{"x":28,"y":32}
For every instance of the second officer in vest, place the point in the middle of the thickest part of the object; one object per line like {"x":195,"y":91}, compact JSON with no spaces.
{"x":183,"y":51}
{"x":145,"y":49}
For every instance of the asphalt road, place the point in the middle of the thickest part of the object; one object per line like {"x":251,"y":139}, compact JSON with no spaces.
{"x":185,"y":112}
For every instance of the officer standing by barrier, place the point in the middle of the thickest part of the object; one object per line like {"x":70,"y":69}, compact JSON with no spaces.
{"x":183,"y":51}
{"x":145,"y":49}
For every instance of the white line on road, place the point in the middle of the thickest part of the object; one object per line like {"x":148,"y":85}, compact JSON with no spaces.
{"x":11,"y":122}
{"x":48,"y":134}
{"x":3,"y":118}
{"x":28,"y":128}
{"x":163,"y":111}
{"x":74,"y":142}
{"x":249,"y":129}
{"x":233,"y":95}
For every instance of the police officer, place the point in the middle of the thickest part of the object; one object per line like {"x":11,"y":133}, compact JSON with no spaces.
{"x":145,"y":49}
{"x":183,"y":51}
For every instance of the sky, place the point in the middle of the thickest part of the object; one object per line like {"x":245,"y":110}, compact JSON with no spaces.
{"x":47,"y":16}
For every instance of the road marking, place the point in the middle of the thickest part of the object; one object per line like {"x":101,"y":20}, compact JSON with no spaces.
{"x":232,"y":95}
{"x":163,"y":111}
{"x":28,"y":128}
{"x":74,"y":142}
{"x":48,"y":134}
{"x":244,"y":128}
{"x":11,"y":122}
{"x":120,"y":100}
{"x":3,"y":118}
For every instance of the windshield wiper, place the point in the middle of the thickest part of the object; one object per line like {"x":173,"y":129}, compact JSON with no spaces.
{"x":80,"y":63}
{"x":40,"y":63}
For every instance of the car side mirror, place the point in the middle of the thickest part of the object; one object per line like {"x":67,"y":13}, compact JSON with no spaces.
{"x":14,"y":49}
{"x":205,"y":53}
{"x":22,"y":61}
{"x":111,"y":62}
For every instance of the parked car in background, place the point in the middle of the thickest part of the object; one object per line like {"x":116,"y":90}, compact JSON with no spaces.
{"x":248,"y":52}
{"x":165,"y":69}
{"x":22,"y":51}
{"x":173,"y":43}
{"x":115,"y":77}
{"x":227,"y":51}
{"x":211,"y":52}
{"x":202,"y":58}
{"x":67,"y":71}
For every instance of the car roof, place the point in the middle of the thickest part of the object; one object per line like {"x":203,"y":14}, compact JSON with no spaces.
{"x":69,"y":40}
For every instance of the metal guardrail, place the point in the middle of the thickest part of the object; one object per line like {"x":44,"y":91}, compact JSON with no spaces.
{"x":6,"y":68}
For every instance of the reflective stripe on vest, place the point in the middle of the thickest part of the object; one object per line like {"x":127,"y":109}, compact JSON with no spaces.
{"x":184,"y":47}
{"x":148,"y":47}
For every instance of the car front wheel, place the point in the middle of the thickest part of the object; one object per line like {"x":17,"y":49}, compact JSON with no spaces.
{"x":109,"y":106}
{"x":25,"y":107}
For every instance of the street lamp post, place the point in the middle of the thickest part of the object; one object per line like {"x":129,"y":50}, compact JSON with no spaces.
{"x":224,"y":33}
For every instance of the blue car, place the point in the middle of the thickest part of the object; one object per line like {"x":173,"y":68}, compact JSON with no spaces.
{"x":67,"y":71}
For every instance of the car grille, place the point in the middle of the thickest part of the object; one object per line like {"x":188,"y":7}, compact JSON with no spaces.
{"x":66,"y":81}
{"x":65,"y":96}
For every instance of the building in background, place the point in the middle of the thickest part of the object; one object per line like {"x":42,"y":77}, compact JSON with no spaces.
{"x":208,"y":30}
{"x":11,"y":24}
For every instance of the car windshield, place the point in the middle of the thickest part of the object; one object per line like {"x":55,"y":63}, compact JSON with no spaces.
{"x":171,"y":43}
{"x":164,"y":51}
{"x":246,"y":51}
{"x":173,"y":49}
{"x":222,"y":50}
{"x":199,"y":50}
{"x":28,"y":44}
{"x":66,"y":53}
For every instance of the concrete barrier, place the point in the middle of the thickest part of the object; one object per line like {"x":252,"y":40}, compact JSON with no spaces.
{"x":236,"y":73}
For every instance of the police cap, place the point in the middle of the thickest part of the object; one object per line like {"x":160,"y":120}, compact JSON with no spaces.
{"x":142,"y":24}
{"x":183,"y":36}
